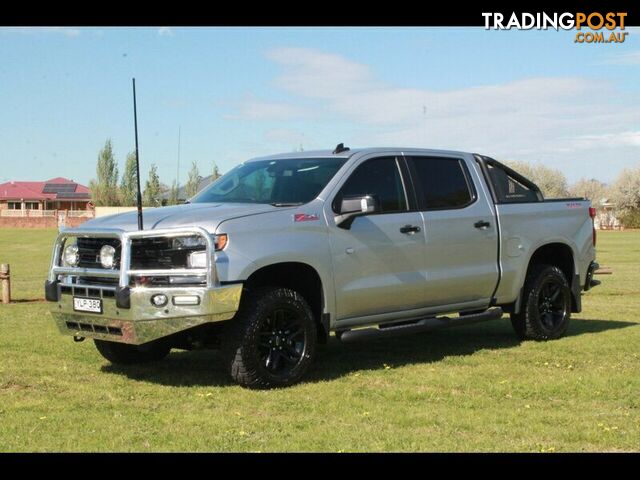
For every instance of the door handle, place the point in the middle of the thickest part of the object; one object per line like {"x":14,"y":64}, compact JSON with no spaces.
{"x":410,"y":229}
{"x":482,"y":224}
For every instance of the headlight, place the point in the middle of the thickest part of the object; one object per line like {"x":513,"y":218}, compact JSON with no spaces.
{"x":181,"y":243}
{"x":197,"y":260}
{"x":107,"y":256}
{"x":71,"y":257}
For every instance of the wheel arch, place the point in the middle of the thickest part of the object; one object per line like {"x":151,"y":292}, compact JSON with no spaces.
{"x":298,"y":276}
{"x":561,"y":255}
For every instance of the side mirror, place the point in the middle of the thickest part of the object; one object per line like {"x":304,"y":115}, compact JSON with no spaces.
{"x":353,"y":207}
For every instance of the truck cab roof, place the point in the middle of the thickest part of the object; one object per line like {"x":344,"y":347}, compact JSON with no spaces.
{"x":349,"y":153}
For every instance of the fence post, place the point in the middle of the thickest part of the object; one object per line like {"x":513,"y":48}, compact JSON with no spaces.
{"x":5,"y":280}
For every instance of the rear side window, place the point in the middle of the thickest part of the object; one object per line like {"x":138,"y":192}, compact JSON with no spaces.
{"x":508,"y":188}
{"x":379,"y":178}
{"x":443,"y":183}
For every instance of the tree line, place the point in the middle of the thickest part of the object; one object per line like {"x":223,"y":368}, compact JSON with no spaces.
{"x":109,"y":189}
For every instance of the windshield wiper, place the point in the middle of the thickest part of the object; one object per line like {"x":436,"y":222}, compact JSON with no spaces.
{"x":285,"y":204}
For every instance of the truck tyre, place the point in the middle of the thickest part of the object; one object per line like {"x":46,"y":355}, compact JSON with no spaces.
{"x":546,"y":305}
{"x":125,"y":354}
{"x":272,"y":339}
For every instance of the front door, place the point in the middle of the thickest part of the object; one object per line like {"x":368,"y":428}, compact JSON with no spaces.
{"x":377,"y":262}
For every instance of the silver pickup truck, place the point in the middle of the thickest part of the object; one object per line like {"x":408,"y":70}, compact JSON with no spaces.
{"x":281,"y":251}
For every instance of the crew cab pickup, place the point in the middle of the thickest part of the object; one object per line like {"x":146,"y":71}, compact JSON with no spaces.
{"x":282,"y":251}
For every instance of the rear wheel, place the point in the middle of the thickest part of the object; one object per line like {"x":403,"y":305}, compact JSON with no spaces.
{"x":546,"y":305}
{"x":125,"y":354}
{"x":272,"y":340}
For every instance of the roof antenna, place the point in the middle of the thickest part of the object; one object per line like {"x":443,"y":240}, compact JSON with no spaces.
{"x":340,"y":148}
{"x":135,"y":123}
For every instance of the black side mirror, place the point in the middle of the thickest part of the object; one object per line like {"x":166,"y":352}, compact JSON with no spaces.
{"x":353,"y":207}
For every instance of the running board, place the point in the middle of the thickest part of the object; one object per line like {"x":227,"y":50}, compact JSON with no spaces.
{"x":424,"y":325}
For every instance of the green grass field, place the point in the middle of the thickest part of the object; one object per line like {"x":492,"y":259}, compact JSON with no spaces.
{"x":473,"y":388}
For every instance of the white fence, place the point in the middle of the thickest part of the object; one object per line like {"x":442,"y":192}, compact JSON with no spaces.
{"x":28,"y":213}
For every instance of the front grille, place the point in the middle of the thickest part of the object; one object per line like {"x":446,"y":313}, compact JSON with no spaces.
{"x":89,"y":250}
{"x":160,"y":253}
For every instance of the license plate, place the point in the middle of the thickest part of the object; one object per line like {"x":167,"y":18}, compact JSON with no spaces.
{"x":93,"y":305}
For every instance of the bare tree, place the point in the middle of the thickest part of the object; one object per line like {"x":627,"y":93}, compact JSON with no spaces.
{"x":551,"y":181}
{"x":591,"y":189}
{"x":625,"y":194}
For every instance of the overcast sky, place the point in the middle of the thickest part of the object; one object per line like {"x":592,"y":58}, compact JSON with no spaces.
{"x":237,"y":93}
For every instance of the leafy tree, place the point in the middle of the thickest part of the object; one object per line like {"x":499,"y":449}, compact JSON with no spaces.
{"x":191,"y":188}
{"x":215,"y":173}
{"x":625,"y":194}
{"x":152,"y":189}
{"x":591,"y":189}
{"x":173,"y":194}
{"x":104,"y":189}
{"x":551,"y":181}
{"x":128,"y":186}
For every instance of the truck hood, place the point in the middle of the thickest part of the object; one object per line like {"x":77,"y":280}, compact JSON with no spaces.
{"x":205,"y":215}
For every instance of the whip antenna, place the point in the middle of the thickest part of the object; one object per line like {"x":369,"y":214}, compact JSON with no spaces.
{"x":135,"y":124}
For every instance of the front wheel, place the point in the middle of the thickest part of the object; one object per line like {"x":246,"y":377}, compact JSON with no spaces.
{"x":546,"y":305}
{"x":125,"y":354}
{"x":272,"y":339}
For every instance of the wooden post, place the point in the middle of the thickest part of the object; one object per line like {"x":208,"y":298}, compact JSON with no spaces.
{"x":5,"y":280}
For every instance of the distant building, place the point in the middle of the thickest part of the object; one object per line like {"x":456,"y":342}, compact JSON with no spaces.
{"x":606,"y":216}
{"x":54,"y":194}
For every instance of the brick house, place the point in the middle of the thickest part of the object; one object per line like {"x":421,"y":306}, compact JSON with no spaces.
{"x":55,"y":194}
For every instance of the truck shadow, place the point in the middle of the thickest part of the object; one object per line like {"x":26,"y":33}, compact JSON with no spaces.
{"x":335,"y":360}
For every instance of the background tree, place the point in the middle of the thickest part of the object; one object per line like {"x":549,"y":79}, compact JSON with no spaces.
{"x":104,"y":189}
{"x":215,"y":173}
{"x":128,"y":186}
{"x":551,"y":181}
{"x":173,"y":194}
{"x":191,"y":188}
{"x":591,"y":189}
{"x":152,"y":189}
{"x":625,"y":194}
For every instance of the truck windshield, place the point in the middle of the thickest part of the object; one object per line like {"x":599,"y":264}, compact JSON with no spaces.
{"x":277,"y":182}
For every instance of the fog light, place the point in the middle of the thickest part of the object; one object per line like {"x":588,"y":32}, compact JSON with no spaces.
{"x":186,"y":300}
{"x":197,"y":260}
{"x":71,"y":256}
{"x":159,"y":300}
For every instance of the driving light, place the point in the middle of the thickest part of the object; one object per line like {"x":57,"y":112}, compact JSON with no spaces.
{"x":197,"y":260}
{"x":71,"y":256}
{"x":159,"y":300}
{"x":107,"y":256}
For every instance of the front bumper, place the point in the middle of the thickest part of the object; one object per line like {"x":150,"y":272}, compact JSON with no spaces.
{"x":143,"y":322}
{"x":128,"y":314}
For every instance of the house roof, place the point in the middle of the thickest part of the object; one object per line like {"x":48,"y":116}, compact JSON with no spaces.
{"x":58,"y":188}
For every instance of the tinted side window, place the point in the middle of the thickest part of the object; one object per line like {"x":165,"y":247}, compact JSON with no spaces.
{"x":443,"y":182}
{"x":379,"y":178}
{"x":508,"y":189}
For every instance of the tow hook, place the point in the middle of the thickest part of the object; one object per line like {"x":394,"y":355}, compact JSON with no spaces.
{"x":78,"y":338}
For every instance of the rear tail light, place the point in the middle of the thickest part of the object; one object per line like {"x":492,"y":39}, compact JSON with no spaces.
{"x":592,"y":214}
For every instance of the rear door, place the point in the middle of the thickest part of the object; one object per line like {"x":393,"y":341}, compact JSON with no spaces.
{"x":461,"y":256}
{"x":377,"y":262}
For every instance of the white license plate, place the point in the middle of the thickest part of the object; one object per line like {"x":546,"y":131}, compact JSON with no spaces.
{"x":93,"y":305}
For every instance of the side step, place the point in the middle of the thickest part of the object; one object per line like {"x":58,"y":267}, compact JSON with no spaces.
{"x":424,"y":325}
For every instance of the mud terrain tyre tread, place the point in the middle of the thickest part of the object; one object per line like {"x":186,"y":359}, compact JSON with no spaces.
{"x":239,"y":350}
{"x":527,"y":323}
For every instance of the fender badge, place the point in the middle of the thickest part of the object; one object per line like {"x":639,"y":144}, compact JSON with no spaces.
{"x":305,"y":217}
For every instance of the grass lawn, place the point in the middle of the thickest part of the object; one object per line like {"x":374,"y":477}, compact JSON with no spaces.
{"x":473,"y":388}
